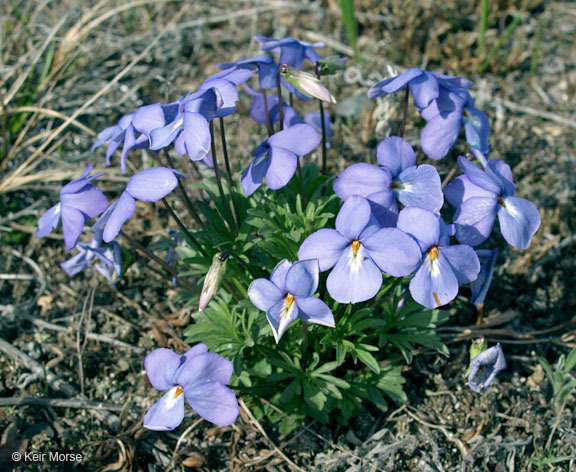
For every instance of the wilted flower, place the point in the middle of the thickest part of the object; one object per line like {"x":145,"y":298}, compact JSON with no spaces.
{"x":200,"y":377}
{"x":213,"y":279}
{"x":359,"y":251}
{"x":291,"y":51}
{"x":482,"y":195}
{"x":288,"y":295}
{"x":277,"y":157}
{"x":481,"y":285}
{"x":79,"y":200}
{"x":484,"y":367}
{"x":149,"y":185}
{"x":108,"y":259}
{"x":306,"y":83}
{"x":143,"y":121}
{"x":398,"y":178}
{"x":443,"y":267}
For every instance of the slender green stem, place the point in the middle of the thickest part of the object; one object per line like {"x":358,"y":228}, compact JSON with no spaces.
{"x":304,"y":344}
{"x":280,"y":104}
{"x":268,"y":121}
{"x":187,"y":234}
{"x":318,"y":70}
{"x":405,"y":114}
{"x":484,"y":10}
{"x":509,"y":30}
{"x":167,"y":267}
{"x":225,"y":206}
{"x":228,"y":171}
{"x":183,"y":194}
{"x":449,"y":176}
{"x":323,"y":124}
{"x":291,"y":99}
{"x":301,"y":178}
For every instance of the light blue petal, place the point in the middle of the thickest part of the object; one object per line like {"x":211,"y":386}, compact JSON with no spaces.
{"x":434,"y":283}
{"x":161,"y":365}
{"x":355,"y":278}
{"x":214,"y":402}
{"x":302,"y":278}
{"x":280,"y":317}
{"x":264,"y":294}
{"x":353,"y":217}
{"x":519,"y":220}
{"x":474,"y":220}
{"x":464,"y":262}
{"x":395,"y":154}
{"x":393,"y":251}
{"x":326,"y":245}
{"x":167,"y":413}
{"x":314,"y":310}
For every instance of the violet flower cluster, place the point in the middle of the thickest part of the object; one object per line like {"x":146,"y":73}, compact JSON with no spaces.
{"x":389,"y":223}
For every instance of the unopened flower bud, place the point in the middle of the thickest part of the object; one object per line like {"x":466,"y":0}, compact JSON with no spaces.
{"x":306,"y":83}
{"x":213,"y":279}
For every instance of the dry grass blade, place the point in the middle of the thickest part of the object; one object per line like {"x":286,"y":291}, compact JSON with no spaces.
{"x":49,"y":112}
{"x":33,"y":160}
{"x":22,"y":77}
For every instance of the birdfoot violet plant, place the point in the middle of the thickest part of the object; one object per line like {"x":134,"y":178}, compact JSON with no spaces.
{"x":314,"y":282}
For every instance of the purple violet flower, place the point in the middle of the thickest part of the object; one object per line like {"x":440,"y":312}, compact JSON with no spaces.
{"x":359,"y":251}
{"x":398,"y":178}
{"x":79,"y":200}
{"x":200,"y":377}
{"x":143,"y":121}
{"x":484,"y":367}
{"x":482,"y":195}
{"x":445,"y":116}
{"x":288,"y":295}
{"x":265,"y":65}
{"x":424,"y":86}
{"x":149,"y":185}
{"x":189,"y":130}
{"x":291,"y":51}
{"x":443,"y":267}
{"x":277,"y":157}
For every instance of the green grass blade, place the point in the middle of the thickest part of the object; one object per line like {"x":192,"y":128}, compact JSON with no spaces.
{"x":485,"y":8}
{"x":347,"y":7}
{"x":509,"y":30}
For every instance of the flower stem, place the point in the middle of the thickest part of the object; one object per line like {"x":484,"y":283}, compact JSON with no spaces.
{"x":323,"y":124}
{"x":187,"y":234}
{"x":301,"y":178}
{"x":228,"y":171}
{"x":268,"y":121}
{"x":167,"y":267}
{"x":304,"y":344}
{"x":318,"y":70}
{"x":405,"y":114}
{"x":280,"y":104}
{"x":183,"y":194}
{"x":225,"y":205}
